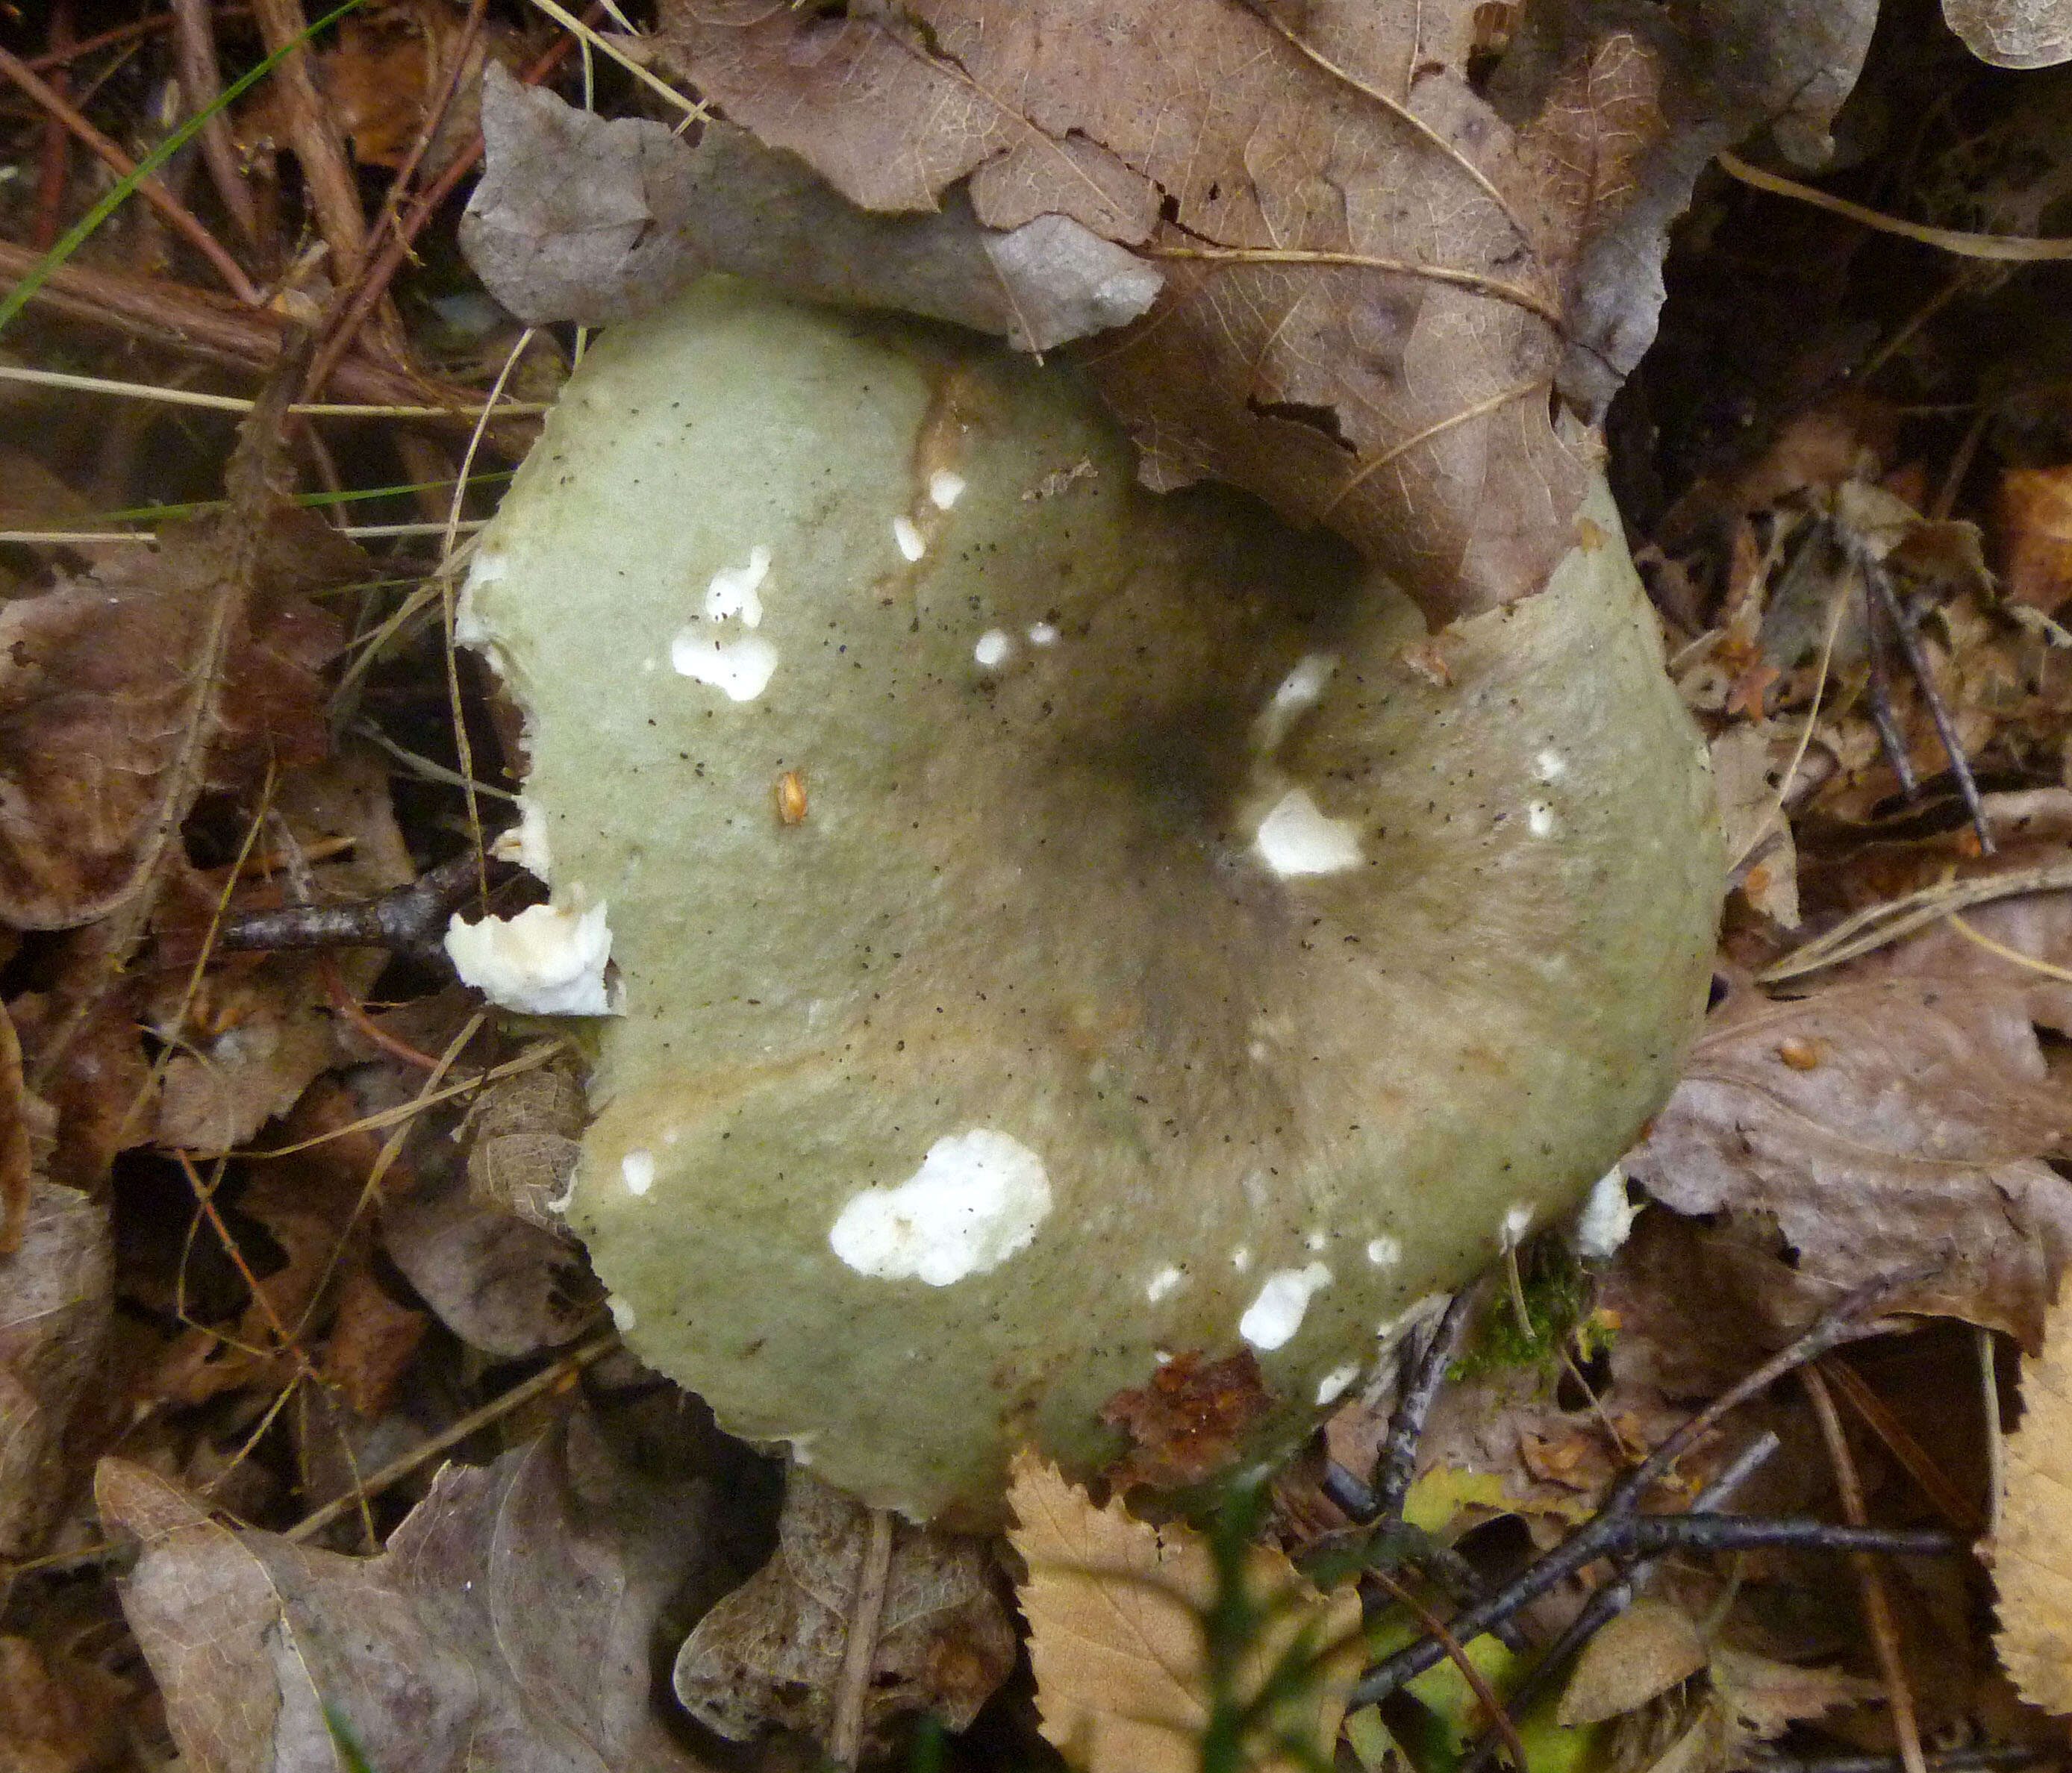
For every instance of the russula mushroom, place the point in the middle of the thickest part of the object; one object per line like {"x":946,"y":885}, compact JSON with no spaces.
{"x":1058,"y":926}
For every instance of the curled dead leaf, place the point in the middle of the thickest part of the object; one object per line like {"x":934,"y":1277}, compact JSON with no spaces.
{"x":772,"y":1652}
{"x":1920,"y":1136}
{"x":506,"y":1624}
{"x":56,"y":1303}
{"x":99,"y":695}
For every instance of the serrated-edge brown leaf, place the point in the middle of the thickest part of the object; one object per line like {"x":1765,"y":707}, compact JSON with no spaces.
{"x":2032,"y":1552}
{"x":1114,"y":1607}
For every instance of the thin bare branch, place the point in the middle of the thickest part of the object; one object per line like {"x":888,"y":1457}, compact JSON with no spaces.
{"x":151,"y":189}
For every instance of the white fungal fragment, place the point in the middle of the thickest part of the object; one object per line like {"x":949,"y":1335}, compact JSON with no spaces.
{"x":636,"y":1170}
{"x":1297,"y":838}
{"x":488,"y":566}
{"x":1550,"y":766}
{"x":1316,"y":1240}
{"x":565,"y":1199}
{"x":742,"y":668}
{"x":546,"y":960}
{"x":1161,"y":1283}
{"x":1539,"y":818}
{"x":1385,"y":1252}
{"x":526,"y":842}
{"x":975,"y":1200}
{"x":1334,"y":1384}
{"x":1241,"y":1257}
{"x":1607,"y":1216}
{"x":945,"y":488}
{"x":1042,"y":633}
{"x":1517,"y":1221}
{"x":622,"y":1313}
{"x":912,"y":543}
{"x":993,"y":646}
{"x":735,"y":589}
{"x":1276,"y":1314}
{"x":1295,"y":696}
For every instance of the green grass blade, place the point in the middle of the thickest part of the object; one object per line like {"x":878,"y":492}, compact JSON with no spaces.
{"x":18,"y":297}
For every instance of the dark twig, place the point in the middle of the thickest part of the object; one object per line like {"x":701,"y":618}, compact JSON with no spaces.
{"x":394,"y":234}
{"x":60,"y":56}
{"x":411,"y":920}
{"x":1617,"y":1529}
{"x":54,"y":155}
{"x":201,"y":84}
{"x":1878,"y":586}
{"x":1879,"y":1621}
{"x":1398,"y":1463}
{"x":1435,"y":1629}
{"x":1878,"y":693}
{"x":203,"y":325}
{"x":1837,"y":1325}
{"x":1382,"y":1505}
{"x":1647,"y":1535}
{"x":152,"y":190}
{"x":1612,"y":1599}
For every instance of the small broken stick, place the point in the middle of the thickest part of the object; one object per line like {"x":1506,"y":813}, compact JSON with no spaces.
{"x":411,"y":919}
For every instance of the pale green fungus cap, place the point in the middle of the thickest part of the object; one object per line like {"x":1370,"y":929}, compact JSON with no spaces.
{"x":1057,"y":927}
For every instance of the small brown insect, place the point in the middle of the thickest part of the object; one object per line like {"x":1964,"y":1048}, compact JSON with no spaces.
{"x":792,"y":798}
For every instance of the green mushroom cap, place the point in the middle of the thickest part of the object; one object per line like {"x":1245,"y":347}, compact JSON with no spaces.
{"x":1058,"y":926}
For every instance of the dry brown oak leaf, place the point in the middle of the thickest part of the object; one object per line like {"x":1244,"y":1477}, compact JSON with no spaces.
{"x":1377,"y":271}
{"x":1864,"y":1129}
{"x":507,"y":1625}
{"x":56,"y":1303}
{"x":106,"y":728}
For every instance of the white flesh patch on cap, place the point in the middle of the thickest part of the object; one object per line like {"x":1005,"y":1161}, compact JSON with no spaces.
{"x":1297,"y":694}
{"x":1297,"y":838}
{"x":1241,"y":1257}
{"x":1161,"y":1283}
{"x":526,"y":842}
{"x":975,"y":1200}
{"x":622,"y":1313}
{"x":486,"y":568}
{"x":1550,"y":766}
{"x":1042,"y":633}
{"x":733,"y":590}
{"x":636,"y":1169}
{"x":546,"y":960}
{"x":992,"y":648}
{"x":1334,"y":1385}
{"x":1277,"y":1313}
{"x":1539,"y":818}
{"x":1517,"y":1221}
{"x":742,"y":668}
{"x":1385,"y":1252}
{"x":945,"y":488}
{"x":912,"y":543}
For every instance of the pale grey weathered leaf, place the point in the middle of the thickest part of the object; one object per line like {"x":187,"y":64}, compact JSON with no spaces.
{"x":2014,"y":33}
{"x":506,"y":1626}
{"x":771,"y":1651}
{"x":579,"y":218}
